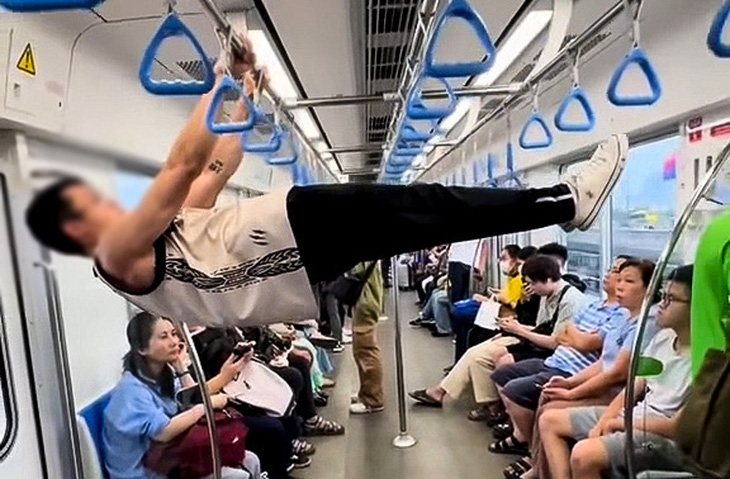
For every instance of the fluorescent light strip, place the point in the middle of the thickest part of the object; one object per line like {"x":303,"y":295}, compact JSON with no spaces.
{"x":280,"y":81}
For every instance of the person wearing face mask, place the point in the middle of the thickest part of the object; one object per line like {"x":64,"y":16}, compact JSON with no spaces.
{"x":509,"y":266}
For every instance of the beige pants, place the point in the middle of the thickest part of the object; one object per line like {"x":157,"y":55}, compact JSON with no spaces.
{"x":369,"y":362}
{"x":476,"y":368}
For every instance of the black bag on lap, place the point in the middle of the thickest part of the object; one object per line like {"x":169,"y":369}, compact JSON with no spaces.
{"x":347,"y":289}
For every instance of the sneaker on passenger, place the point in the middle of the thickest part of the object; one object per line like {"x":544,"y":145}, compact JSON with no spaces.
{"x":299,"y":461}
{"x":339,"y":348}
{"x":328,"y":383}
{"x":362,"y":408}
{"x":592,"y":185}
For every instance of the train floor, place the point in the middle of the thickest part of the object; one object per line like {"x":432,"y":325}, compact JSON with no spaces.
{"x":449,"y":445}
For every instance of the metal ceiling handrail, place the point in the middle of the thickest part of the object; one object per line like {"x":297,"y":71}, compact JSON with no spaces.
{"x":574,"y":45}
{"x":223,"y":25}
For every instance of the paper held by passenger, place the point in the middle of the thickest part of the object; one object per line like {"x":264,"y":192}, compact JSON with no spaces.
{"x":258,"y":386}
{"x":487,"y":315}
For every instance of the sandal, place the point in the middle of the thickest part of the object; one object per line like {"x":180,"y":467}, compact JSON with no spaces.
{"x":302,"y":448}
{"x":503,"y":431}
{"x":517,"y":469}
{"x":510,"y":445}
{"x":479,"y":414}
{"x":319,"y":426}
{"x":424,"y":399}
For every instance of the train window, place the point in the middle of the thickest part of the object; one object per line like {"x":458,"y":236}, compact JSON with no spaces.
{"x":644,"y":202}
{"x":130,"y":188}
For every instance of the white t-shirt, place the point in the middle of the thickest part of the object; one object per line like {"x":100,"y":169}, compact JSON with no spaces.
{"x":463,"y":252}
{"x":667,"y":392}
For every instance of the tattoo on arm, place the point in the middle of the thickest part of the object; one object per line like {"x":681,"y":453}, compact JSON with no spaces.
{"x":216,"y":166}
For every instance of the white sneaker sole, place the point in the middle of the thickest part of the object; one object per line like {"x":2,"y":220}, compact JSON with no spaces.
{"x":623,"y":151}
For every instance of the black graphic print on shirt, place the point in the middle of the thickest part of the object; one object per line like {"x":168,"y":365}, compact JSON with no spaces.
{"x":251,"y":272}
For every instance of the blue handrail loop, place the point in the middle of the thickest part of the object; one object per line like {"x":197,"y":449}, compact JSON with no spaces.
{"x":228,"y":84}
{"x":714,"y":37}
{"x":174,"y":27}
{"x":271,"y":146}
{"x":536,"y":119}
{"x":491,"y":165}
{"x":576,"y":95}
{"x":410,"y":134}
{"x":511,"y":177}
{"x":462,"y":10}
{"x":287,"y":153}
{"x":402,"y":160}
{"x":47,"y":5}
{"x":638,"y":57}
{"x":418,"y":110}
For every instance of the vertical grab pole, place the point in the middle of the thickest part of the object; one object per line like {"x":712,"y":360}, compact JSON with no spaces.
{"x":207,"y":403}
{"x":403,"y":440}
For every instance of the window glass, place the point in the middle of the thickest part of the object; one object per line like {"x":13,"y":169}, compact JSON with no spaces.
{"x":585,"y":249}
{"x":131,"y":188}
{"x":645,"y":200}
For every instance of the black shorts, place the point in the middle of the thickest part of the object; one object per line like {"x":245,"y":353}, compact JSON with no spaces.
{"x":522,"y":382}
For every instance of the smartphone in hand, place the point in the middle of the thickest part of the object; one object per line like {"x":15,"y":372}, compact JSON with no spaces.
{"x":242,"y":349}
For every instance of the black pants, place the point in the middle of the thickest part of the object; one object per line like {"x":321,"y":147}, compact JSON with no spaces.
{"x":459,"y":279}
{"x":271,"y":439}
{"x":299,"y":378}
{"x":378,"y":221}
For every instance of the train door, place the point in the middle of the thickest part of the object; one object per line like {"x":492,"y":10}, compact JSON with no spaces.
{"x":21,"y":446}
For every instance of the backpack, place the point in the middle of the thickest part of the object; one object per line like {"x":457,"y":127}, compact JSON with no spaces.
{"x":347,"y":289}
{"x":704,"y":422}
{"x":575,"y":281}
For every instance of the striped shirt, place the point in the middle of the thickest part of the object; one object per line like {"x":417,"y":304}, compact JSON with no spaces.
{"x":590,"y":320}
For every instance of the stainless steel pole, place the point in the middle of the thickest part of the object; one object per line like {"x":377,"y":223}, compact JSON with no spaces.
{"x":207,"y":403}
{"x":403,"y":440}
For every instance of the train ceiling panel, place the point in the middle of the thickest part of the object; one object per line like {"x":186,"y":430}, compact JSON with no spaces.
{"x":131,"y":9}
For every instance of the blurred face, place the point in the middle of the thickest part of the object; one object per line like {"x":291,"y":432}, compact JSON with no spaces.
{"x":610,"y":280}
{"x":541,"y":289}
{"x":630,"y":289}
{"x":507,"y":264}
{"x":674,"y":310}
{"x":164,"y":344}
{"x":92,"y":213}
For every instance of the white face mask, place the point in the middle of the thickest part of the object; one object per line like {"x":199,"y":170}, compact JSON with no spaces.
{"x":504,"y":267}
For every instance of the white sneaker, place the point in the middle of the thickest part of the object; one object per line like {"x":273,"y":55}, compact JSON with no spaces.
{"x":595,"y":181}
{"x":354,"y":399}
{"x":360,"y":408}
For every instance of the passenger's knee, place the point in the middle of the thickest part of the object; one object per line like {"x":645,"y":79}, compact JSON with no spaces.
{"x":551,"y":422}
{"x":585,"y":457}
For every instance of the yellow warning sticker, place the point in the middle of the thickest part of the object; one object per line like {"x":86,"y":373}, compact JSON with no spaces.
{"x":26,"y":63}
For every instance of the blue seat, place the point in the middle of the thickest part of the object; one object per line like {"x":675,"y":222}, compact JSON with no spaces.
{"x":93,"y":415}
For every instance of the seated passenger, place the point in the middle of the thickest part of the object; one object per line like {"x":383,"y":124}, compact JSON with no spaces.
{"x":275,"y":440}
{"x":601,"y":382}
{"x":660,"y":395}
{"x":560,"y":302}
{"x":508,"y":297}
{"x":520,"y":384}
{"x":143,"y":408}
{"x":560,"y":253}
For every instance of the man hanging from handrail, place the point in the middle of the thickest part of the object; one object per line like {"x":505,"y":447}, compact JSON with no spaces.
{"x":251,"y":263}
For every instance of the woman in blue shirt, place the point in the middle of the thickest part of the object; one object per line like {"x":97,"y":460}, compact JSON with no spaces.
{"x":143,"y":407}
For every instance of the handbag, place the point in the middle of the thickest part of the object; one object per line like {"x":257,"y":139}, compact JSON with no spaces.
{"x":262,"y":388}
{"x":188,"y":455}
{"x":703,"y":423}
{"x":347,"y":289}
{"x":526,"y":349}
